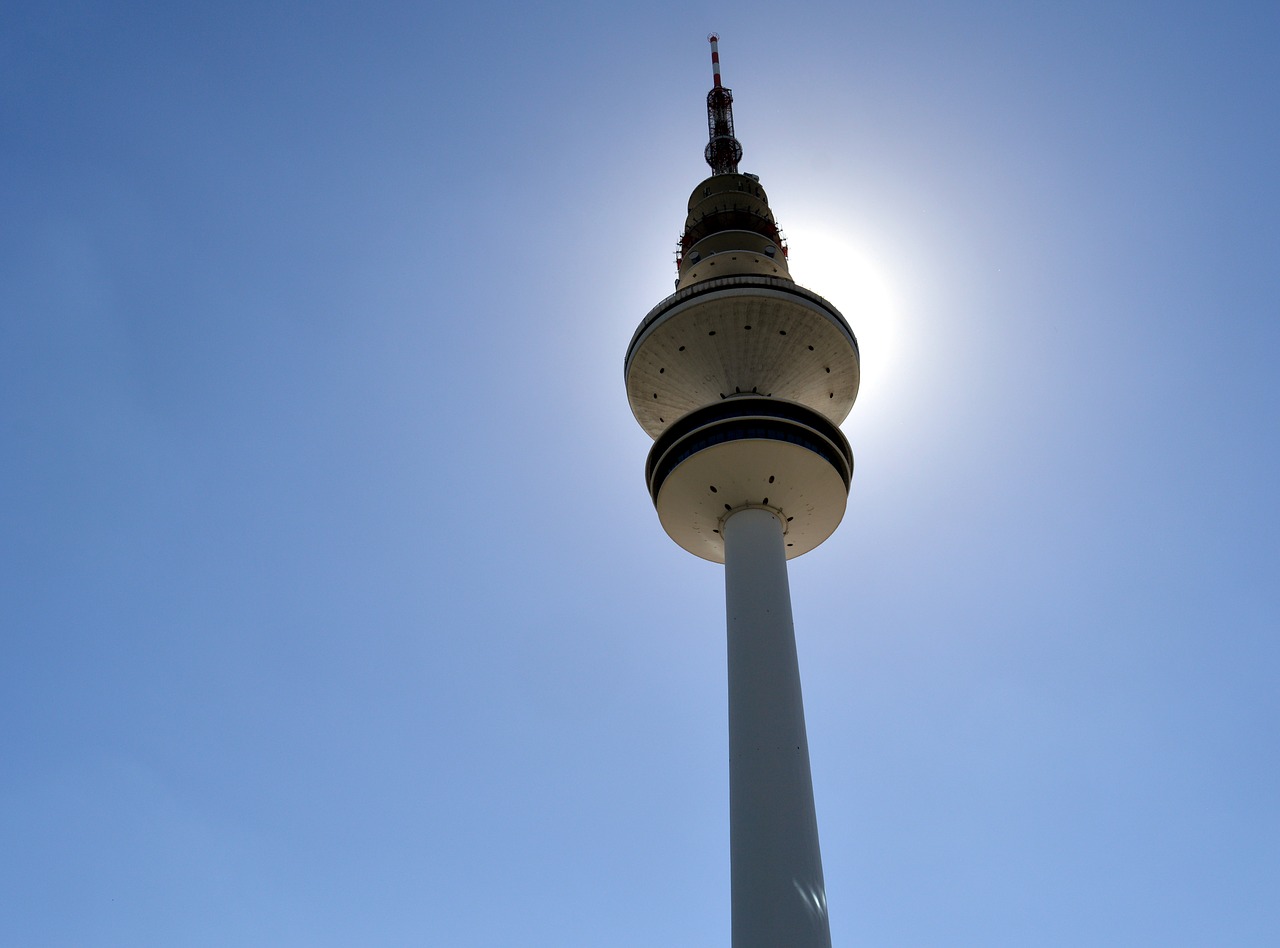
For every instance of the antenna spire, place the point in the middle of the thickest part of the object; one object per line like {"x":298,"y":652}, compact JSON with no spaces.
{"x":723,"y":151}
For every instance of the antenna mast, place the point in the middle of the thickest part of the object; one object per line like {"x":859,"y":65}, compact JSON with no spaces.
{"x":723,"y":151}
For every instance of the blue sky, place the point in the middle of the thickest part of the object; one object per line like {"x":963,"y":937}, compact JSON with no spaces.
{"x":333,"y":607}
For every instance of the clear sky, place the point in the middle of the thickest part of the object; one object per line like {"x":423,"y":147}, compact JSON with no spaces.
{"x":334,"y":611}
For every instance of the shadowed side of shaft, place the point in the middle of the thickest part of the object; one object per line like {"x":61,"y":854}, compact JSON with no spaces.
{"x":778,"y":894}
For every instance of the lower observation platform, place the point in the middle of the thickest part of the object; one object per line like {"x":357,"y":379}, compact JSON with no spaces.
{"x":750,"y":452}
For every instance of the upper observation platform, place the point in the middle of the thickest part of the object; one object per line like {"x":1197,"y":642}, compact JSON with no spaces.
{"x":737,"y":335}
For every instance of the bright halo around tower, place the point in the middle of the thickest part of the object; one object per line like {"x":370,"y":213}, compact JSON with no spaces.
{"x":856,"y":283}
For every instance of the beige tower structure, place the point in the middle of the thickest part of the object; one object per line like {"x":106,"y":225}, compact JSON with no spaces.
{"x":742,"y":379}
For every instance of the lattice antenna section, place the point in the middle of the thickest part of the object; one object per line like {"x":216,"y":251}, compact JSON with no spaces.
{"x":723,"y":150}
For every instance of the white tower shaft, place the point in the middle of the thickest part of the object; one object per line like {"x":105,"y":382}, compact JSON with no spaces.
{"x":777,"y":887}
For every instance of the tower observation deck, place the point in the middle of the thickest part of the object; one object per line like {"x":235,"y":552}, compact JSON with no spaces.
{"x":742,"y":378}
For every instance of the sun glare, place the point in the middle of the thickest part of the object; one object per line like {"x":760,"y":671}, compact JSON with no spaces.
{"x":859,"y":285}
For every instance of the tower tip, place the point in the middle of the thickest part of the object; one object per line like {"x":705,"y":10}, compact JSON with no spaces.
{"x":723,"y":151}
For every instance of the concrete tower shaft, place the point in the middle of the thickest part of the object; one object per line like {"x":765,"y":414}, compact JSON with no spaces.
{"x":779,"y":895}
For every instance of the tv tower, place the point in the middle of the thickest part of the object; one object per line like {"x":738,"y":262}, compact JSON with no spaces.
{"x":742,"y":378}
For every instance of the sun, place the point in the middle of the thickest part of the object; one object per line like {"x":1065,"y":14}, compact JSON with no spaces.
{"x":857,"y":282}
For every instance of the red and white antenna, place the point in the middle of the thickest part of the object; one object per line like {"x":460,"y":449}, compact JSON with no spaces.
{"x":723,"y":151}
